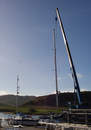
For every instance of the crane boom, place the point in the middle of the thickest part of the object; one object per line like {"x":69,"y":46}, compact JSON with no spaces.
{"x":75,"y":80}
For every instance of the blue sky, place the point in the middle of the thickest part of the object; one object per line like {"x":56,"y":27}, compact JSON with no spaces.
{"x":26,"y":43}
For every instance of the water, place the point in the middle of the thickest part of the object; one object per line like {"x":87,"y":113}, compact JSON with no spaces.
{"x":4,"y":122}
{"x":3,"y":115}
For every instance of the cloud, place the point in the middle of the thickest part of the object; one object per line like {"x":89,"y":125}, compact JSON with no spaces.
{"x":53,"y":92}
{"x":78,"y":75}
{"x":71,"y":91}
{"x":83,"y":89}
{"x":3,"y":92}
{"x":70,"y":76}
{"x":58,"y":92}
{"x":59,"y":78}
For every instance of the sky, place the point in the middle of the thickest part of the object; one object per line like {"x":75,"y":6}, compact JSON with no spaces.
{"x":26,"y":45}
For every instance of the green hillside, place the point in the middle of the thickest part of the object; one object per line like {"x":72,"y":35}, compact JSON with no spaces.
{"x":64,"y":98}
{"x":48,"y":100}
{"x":10,"y":100}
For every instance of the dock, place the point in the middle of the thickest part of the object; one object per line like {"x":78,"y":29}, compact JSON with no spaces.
{"x":22,"y":128}
{"x":48,"y":126}
{"x":80,"y":122}
{"x":65,"y":126}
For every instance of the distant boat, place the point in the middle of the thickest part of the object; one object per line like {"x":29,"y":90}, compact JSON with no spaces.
{"x":22,"y":119}
{"x":50,"y":119}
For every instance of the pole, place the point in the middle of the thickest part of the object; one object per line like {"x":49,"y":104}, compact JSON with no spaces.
{"x":55,"y":68}
{"x":17,"y":95}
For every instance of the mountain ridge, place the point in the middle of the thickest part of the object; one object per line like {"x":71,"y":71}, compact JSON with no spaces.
{"x":48,"y":100}
{"x":10,"y":100}
{"x":64,"y":98}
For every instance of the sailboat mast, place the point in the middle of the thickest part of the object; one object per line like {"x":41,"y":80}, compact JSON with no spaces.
{"x":55,"y":68}
{"x":17,"y":95}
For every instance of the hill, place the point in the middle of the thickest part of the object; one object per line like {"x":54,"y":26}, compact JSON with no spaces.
{"x":64,"y":98}
{"x":48,"y":100}
{"x":10,"y":100}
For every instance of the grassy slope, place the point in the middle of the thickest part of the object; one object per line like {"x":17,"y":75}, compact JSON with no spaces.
{"x":10,"y":100}
{"x":40,"y":105}
{"x":64,"y":98}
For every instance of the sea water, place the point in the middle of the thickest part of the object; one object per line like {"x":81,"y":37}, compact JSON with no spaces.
{"x":4,"y":122}
{"x":4,"y":115}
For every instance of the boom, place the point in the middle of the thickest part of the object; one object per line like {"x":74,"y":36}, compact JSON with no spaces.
{"x":75,"y":80}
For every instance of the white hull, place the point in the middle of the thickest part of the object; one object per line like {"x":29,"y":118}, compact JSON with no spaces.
{"x":25,"y":122}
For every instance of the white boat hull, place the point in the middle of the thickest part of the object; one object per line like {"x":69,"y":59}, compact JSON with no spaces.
{"x":25,"y":122}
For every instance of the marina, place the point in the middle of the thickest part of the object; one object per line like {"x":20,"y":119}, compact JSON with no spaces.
{"x":76,"y":117}
{"x":45,"y":123}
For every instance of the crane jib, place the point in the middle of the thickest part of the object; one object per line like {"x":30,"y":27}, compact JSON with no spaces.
{"x":75,"y":80}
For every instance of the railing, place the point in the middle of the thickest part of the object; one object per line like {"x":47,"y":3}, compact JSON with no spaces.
{"x":85,"y":114}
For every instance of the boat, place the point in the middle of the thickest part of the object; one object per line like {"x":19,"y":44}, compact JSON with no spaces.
{"x":49,"y":119}
{"x":25,"y":120}
{"x":44,"y":117}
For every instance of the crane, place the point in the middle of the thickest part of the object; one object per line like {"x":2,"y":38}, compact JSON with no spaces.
{"x":74,"y":76}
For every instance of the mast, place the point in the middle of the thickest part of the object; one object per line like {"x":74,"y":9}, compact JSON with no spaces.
{"x":74,"y":76}
{"x":55,"y":68}
{"x":17,"y":94}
